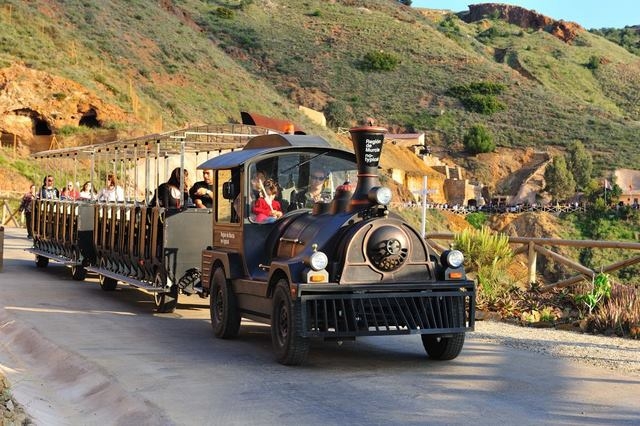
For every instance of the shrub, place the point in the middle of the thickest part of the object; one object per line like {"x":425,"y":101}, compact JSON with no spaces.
{"x":483,"y":248}
{"x":478,"y":140}
{"x":449,"y":25}
{"x":477,"y":219}
{"x":482,"y":104}
{"x":338,"y":114}
{"x":487,"y":254}
{"x":593,"y":63}
{"x":379,"y":61}
{"x":479,"y":96}
{"x":480,"y":87}
{"x":619,"y":313}
{"x":600,"y":291}
{"x":224,"y":13}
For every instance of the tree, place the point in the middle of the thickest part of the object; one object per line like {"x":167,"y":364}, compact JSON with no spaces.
{"x":559,"y":180}
{"x":478,"y":140}
{"x":580,"y":163}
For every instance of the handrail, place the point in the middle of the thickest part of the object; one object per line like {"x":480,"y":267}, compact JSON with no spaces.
{"x":534,"y":245}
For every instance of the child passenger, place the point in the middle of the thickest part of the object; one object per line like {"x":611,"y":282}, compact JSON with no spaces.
{"x":266,"y":208}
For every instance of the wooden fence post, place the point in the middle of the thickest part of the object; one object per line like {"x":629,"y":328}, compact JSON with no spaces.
{"x":532,"y":260}
{"x":1,"y":247}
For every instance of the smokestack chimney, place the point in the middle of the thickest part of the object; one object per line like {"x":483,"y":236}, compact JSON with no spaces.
{"x":367,"y":145}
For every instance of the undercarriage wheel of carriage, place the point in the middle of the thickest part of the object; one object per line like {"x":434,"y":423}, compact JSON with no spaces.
{"x":446,"y":347}
{"x":286,"y":327}
{"x":223,"y":307}
{"x":41,"y":261}
{"x":107,"y":283}
{"x":78,"y":271}
{"x":166,"y":301}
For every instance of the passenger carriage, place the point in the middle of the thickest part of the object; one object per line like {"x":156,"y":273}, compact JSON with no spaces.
{"x":130,"y":241}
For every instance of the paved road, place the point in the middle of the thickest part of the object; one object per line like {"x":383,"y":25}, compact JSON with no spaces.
{"x":78,"y":355}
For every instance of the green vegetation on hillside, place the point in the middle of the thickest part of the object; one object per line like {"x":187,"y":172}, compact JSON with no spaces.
{"x":203,"y":61}
{"x":627,"y":37}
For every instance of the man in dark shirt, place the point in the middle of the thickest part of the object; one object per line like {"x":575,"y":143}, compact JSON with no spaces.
{"x":202,"y":191}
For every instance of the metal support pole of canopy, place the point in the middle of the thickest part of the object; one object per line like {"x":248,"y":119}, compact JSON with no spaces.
{"x":182,"y":200}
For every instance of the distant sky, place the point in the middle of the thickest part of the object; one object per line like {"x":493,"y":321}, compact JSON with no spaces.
{"x":588,"y":13}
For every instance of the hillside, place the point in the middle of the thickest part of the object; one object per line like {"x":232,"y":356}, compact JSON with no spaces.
{"x":91,"y":70}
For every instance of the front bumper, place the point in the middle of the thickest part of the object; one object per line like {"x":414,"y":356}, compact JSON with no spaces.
{"x":335,"y":311}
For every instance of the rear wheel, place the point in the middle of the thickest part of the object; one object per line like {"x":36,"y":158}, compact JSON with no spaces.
{"x":286,"y":327}
{"x":78,"y":272}
{"x":41,"y":261}
{"x":107,"y":283}
{"x":166,"y":301}
{"x":223,"y":307}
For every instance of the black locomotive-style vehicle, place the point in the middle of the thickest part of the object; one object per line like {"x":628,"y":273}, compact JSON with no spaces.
{"x":346,"y":267}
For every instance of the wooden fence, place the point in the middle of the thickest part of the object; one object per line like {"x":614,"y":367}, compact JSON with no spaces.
{"x":534,"y":246}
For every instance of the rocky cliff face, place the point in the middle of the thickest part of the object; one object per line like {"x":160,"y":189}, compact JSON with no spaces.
{"x":515,"y":15}
{"x":35,"y":103}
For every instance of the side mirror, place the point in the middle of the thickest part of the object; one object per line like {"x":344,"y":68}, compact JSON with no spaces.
{"x":228,"y":191}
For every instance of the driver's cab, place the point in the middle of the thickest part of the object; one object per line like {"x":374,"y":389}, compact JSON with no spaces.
{"x":262,"y":189}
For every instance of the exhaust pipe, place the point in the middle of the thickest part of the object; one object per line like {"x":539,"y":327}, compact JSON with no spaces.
{"x":367,"y":145}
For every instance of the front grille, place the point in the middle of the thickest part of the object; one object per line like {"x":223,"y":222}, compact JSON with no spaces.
{"x":342,"y":315}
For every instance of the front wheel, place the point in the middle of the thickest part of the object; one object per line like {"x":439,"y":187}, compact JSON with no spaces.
{"x":223,"y":307}
{"x":166,"y":301}
{"x":286,"y":327}
{"x":443,"y":348}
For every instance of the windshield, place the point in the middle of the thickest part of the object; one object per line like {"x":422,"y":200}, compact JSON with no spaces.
{"x":301,"y":178}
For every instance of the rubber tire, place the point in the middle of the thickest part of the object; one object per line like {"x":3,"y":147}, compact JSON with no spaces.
{"x":166,"y":302}
{"x":78,"y":271}
{"x":286,"y":324}
{"x":445,"y":348}
{"x":223,"y":307}
{"x":41,"y":261}
{"x":107,"y":283}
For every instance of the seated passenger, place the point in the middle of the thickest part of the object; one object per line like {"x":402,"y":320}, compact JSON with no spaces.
{"x":112,"y":192}
{"x":168,"y":194}
{"x":87,"y":193}
{"x":202,"y":191}
{"x":266,"y":208}
{"x":48,"y":191}
{"x":70,"y":192}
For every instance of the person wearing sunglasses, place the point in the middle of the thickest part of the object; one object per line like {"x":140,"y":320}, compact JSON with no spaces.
{"x":48,"y":191}
{"x":314,"y":191}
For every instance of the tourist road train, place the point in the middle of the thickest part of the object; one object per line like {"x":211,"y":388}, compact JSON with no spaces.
{"x":338,"y":268}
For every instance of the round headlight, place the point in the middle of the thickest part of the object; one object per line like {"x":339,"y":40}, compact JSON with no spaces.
{"x":318,"y":261}
{"x":454,"y":258}
{"x":380,"y":195}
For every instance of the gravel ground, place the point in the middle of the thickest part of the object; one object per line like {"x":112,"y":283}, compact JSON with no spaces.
{"x":611,"y":353}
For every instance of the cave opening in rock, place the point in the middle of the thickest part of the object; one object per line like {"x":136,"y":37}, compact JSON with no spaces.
{"x":90,"y":119}
{"x":41,"y":127}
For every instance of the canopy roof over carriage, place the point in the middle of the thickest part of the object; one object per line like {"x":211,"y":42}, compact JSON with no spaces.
{"x":200,"y":139}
